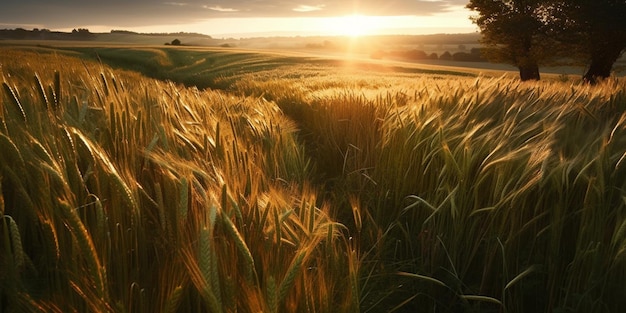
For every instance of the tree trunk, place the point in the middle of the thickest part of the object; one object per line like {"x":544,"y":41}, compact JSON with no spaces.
{"x":529,"y":72}
{"x":601,"y":63}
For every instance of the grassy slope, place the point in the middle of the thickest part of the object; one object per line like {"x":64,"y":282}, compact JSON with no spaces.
{"x":219,"y":68}
{"x":482,"y":192}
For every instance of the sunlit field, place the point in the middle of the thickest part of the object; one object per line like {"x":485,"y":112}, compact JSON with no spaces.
{"x":191,"y":180}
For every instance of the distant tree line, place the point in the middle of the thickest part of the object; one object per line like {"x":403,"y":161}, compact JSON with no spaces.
{"x":474,"y":55}
{"x":77,"y":34}
{"x":45,"y":34}
{"x":531,"y":33}
{"x":180,"y":34}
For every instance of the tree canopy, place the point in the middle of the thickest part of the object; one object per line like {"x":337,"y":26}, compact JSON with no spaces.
{"x":530,"y":33}
{"x":599,"y":28}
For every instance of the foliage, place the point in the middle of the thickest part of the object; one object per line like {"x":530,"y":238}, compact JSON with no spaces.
{"x":514,"y":33}
{"x":599,"y":31}
{"x":530,"y":33}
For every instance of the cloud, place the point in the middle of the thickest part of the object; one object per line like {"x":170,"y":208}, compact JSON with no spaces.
{"x":123,"y":13}
{"x":219,"y":8}
{"x":308,"y":8}
{"x":177,"y":4}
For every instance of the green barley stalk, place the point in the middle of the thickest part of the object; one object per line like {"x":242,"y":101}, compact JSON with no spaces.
{"x":183,"y":204}
{"x":104,"y":84}
{"x":28,"y":207}
{"x":42,"y":92}
{"x":51,"y":238}
{"x":53,"y":96}
{"x":15,"y":101}
{"x":16,"y":242}
{"x":104,"y":160}
{"x":290,"y":277}
{"x":353,"y":268}
{"x":272,"y":296}
{"x":173,"y":300}
{"x":57,"y":90}
{"x":101,"y":227}
{"x":161,"y":206}
{"x":10,"y":153}
{"x":241,"y":247}
{"x":618,"y":242}
{"x":208,"y":269}
{"x":87,"y":248}
{"x":277,"y":226}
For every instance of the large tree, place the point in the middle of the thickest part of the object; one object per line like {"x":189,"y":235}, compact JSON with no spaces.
{"x":599,"y":28}
{"x":514,"y":32}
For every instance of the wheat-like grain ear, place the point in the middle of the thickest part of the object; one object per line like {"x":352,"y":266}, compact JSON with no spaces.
{"x":15,"y":101}
{"x":290,"y":276}
{"x":272,"y":295}
{"x":173,"y":300}
{"x":208,"y":267}
{"x":16,"y":242}
{"x":241,"y":247}
{"x":87,"y":248}
{"x":57,"y":90}
{"x":42,"y":92}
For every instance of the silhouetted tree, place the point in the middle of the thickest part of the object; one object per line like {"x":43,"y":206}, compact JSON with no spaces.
{"x":526,"y":33}
{"x":175,"y":42}
{"x":598,"y":30}
{"x":82,"y":33}
{"x":514,"y":32}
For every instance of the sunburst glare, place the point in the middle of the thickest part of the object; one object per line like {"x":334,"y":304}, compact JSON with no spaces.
{"x":355,"y":25}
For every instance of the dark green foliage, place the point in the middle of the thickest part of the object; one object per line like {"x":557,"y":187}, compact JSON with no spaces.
{"x":530,"y":33}
{"x":598,"y":28}
{"x":513,"y":33}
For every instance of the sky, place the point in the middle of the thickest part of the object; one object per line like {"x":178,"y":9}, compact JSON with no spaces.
{"x":240,"y":18}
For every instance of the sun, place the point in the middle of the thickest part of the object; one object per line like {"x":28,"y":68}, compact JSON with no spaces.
{"x":354,"y":25}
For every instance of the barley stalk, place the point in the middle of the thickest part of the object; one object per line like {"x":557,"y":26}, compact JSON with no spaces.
{"x":161,"y":206}
{"x":241,"y":247}
{"x":42,"y":92}
{"x":11,"y":153}
{"x":290,"y":276}
{"x":208,"y":268}
{"x":105,"y":84}
{"x":173,"y":300}
{"x":272,"y":295}
{"x":184,"y":201}
{"x":57,"y":90}
{"x":15,"y":101}
{"x":86,"y":247}
{"x":16,"y":243}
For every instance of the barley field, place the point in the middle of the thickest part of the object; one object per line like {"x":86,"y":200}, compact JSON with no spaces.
{"x":189,"y":180}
